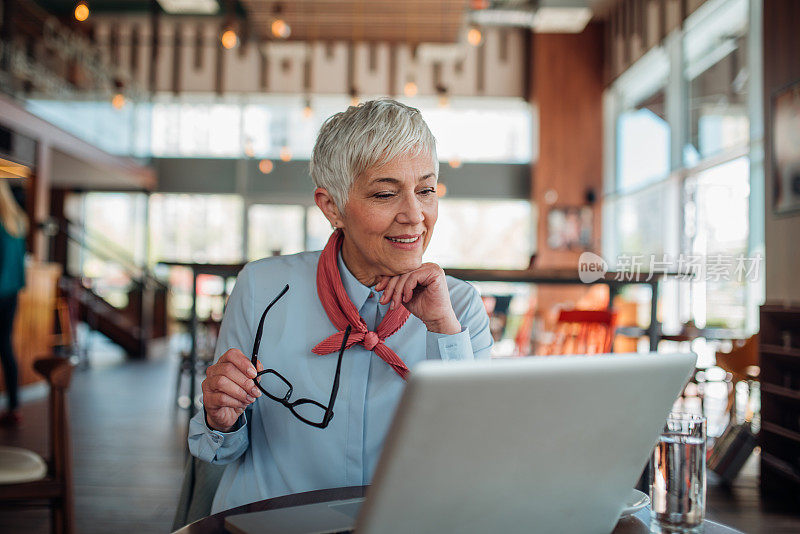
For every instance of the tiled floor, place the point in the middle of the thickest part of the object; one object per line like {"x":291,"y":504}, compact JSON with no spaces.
{"x":129,"y":443}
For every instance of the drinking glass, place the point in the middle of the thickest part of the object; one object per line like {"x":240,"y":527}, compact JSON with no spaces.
{"x":678,"y":475}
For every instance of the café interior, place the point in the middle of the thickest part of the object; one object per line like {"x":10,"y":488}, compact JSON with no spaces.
{"x":615,"y":176}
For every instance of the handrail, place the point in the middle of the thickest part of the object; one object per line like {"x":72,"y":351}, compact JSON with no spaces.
{"x":109,"y":251}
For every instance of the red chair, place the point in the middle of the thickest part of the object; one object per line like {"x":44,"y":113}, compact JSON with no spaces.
{"x":583,"y":332}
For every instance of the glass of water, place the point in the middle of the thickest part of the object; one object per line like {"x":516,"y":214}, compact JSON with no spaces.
{"x":678,"y":475}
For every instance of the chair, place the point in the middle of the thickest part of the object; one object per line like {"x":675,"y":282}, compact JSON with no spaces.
{"x":742,"y":363}
{"x":200,"y":481}
{"x":583,"y":332}
{"x":26,"y":480}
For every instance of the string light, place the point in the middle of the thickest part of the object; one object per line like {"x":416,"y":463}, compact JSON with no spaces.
{"x":265,"y":166}
{"x":474,"y":36}
{"x":441,"y":189}
{"x":81,"y":11}
{"x":455,"y":163}
{"x":410,"y":89}
{"x":286,"y":154}
{"x":229,"y":39}
{"x":118,"y":101}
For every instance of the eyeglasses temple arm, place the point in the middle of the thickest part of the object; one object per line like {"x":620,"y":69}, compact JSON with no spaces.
{"x":335,"y":389}
{"x":257,"y":342}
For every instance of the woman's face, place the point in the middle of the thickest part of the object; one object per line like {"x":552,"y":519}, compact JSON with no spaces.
{"x":388,"y":219}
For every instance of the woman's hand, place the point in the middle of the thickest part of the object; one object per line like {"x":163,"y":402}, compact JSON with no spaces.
{"x":228,"y":389}
{"x":424,"y":293}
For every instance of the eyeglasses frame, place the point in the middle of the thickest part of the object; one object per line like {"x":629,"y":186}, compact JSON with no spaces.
{"x":285,"y":399}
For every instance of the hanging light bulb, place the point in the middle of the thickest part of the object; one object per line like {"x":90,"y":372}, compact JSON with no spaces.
{"x":474,"y":36}
{"x":308,"y":111}
{"x":229,"y":38}
{"x":354,"y":100}
{"x":455,"y":163}
{"x":410,"y":89}
{"x":265,"y":166}
{"x":118,"y":101}
{"x":81,"y":12}
{"x":280,"y":29}
{"x":286,"y":154}
{"x":441,"y":189}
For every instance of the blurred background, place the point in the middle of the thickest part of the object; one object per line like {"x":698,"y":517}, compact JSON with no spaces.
{"x":157,"y":146}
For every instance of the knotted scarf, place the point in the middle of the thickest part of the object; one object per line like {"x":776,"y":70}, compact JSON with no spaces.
{"x":342,"y":312}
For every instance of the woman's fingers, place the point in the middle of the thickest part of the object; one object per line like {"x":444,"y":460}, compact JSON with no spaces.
{"x":381,"y":283}
{"x":399,"y":289}
{"x":225,"y":386}
{"x":389,"y":291}
{"x":237,"y":358}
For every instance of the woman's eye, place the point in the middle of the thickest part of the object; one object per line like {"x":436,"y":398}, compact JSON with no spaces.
{"x":384,"y":195}
{"x":428,"y":191}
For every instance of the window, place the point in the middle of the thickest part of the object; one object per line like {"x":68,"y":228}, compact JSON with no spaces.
{"x":717,"y":76}
{"x":273,"y":230}
{"x":643,"y":143}
{"x":196,"y":228}
{"x":681,"y":175}
{"x":499,"y":234}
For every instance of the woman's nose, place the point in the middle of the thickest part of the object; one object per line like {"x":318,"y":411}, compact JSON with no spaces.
{"x":411,"y":211}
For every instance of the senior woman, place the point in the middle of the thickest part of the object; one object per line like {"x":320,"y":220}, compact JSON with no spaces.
{"x":338,"y":329}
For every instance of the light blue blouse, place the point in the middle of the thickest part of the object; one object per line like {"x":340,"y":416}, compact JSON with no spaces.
{"x":277,"y":454}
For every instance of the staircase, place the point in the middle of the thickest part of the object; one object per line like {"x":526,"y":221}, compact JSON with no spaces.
{"x":133,"y":326}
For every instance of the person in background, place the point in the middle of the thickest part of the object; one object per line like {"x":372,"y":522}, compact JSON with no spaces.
{"x":13,"y":228}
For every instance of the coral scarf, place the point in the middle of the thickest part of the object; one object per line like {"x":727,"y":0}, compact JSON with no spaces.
{"x":342,"y":312}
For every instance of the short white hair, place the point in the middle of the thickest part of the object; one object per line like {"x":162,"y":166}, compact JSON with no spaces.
{"x":367,"y":136}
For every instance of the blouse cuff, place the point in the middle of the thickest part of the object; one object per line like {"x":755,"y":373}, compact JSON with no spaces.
{"x":212,"y":445}
{"x":449,"y":347}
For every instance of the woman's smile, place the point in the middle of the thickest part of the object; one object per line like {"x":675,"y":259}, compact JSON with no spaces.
{"x":405,"y":241}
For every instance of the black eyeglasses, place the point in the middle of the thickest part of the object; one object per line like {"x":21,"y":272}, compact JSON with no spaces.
{"x":276,"y":387}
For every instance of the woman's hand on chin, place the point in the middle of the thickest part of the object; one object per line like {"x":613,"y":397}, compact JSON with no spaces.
{"x":424,"y":293}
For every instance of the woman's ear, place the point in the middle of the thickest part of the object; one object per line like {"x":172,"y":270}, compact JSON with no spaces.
{"x":328,"y":206}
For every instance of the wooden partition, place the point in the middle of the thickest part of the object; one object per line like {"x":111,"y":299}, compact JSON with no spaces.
{"x":33,"y":325}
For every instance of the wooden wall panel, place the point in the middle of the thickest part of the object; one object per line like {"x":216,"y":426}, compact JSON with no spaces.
{"x":567,"y":90}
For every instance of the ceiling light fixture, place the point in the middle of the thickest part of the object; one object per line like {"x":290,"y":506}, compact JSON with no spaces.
{"x":410,"y":89}
{"x":308,"y":111}
{"x":81,"y":12}
{"x":229,"y":39}
{"x":265,"y":166}
{"x":118,"y":101}
{"x":474,"y":36}
{"x":280,"y":29}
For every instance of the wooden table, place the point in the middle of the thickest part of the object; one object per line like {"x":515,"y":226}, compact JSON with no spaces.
{"x":216,"y":269}
{"x":636,"y":524}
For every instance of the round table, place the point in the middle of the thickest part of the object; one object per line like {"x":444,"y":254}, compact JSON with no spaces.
{"x":215,"y":524}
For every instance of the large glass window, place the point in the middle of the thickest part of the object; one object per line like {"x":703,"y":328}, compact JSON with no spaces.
{"x":680,"y":183}
{"x":719,"y":197}
{"x":717,"y":76}
{"x":273,"y":230}
{"x":196,"y":228}
{"x":267,"y":126}
{"x":499,"y":234}
{"x":643,"y":143}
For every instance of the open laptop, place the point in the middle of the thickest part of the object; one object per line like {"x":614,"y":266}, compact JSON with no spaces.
{"x":541,"y":444}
